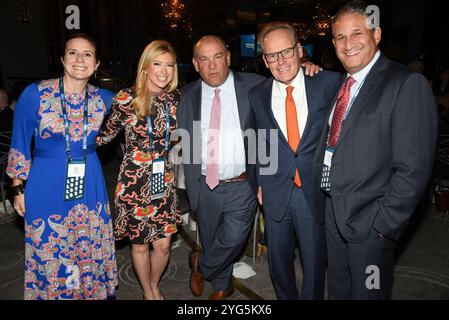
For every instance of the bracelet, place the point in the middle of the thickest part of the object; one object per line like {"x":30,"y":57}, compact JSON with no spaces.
{"x":17,"y":190}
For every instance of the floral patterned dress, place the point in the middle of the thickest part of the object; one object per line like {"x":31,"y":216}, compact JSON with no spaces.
{"x":138,"y":217}
{"x":69,"y":245}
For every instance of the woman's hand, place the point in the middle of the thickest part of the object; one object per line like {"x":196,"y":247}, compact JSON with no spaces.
{"x":19,"y":204}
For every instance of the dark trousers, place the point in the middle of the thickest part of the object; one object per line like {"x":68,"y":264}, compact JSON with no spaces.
{"x":362,"y":270}
{"x":298,"y":221}
{"x":225,"y":216}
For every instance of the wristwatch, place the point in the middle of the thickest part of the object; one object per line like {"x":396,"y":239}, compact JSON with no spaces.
{"x":17,"y":190}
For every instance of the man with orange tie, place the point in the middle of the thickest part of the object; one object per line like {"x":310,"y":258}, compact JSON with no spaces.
{"x":220,"y":173}
{"x":374,"y":158}
{"x":294,"y":107}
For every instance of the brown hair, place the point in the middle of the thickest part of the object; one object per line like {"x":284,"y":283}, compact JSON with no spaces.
{"x":80,"y":35}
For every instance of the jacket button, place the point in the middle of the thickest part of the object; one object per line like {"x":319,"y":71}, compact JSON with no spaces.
{"x":296,"y":155}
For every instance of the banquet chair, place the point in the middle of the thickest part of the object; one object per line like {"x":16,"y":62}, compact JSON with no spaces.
{"x":4,"y":147}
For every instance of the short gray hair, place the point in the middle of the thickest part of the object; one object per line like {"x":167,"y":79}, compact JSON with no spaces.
{"x":356,"y":6}
{"x":272,"y":26}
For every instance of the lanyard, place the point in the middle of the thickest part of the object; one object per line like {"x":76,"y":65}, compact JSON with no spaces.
{"x":66,"y":121}
{"x":167,"y":132}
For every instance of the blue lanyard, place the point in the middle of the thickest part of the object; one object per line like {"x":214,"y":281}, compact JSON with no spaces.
{"x":66,"y":121}
{"x":167,"y":132}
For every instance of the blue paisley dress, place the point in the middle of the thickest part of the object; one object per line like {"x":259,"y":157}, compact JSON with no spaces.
{"x":69,"y":245}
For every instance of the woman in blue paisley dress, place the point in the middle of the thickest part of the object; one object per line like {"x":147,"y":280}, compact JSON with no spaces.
{"x":69,"y":244}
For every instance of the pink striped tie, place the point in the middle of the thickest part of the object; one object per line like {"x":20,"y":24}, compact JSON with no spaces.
{"x":213,"y":142}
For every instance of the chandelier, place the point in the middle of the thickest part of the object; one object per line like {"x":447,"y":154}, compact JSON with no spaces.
{"x":303,"y":30}
{"x":25,"y":12}
{"x":322,"y":21}
{"x":172,"y":11}
{"x":319,"y":26}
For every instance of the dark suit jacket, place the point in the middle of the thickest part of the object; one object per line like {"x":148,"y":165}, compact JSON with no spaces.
{"x":384,"y":157}
{"x":189,"y":110}
{"x":277,"y":188}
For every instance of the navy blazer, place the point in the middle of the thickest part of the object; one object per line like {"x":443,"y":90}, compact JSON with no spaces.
{"x":189,"y":110}
{"x":384,"y":157}
{"x":277,"y":188}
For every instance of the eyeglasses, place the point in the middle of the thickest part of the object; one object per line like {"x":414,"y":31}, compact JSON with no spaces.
{"x":286,"y":54}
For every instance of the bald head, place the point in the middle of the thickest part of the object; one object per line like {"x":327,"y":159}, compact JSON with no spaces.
{"x":211,"y":60}
{"x":4,"y":102}
{"x":207,"y":41}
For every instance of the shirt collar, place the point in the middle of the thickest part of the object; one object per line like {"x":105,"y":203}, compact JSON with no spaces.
{"x":296,"y":83}
{"x":225,"y":87}
{"x":360,"y":76}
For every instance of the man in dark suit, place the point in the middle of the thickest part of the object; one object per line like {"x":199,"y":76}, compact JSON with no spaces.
{"x":220,"y":181}
{"x":374,"y":159}
{"x":293,"y":106}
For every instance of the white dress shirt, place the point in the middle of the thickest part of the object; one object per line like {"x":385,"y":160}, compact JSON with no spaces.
{"x":231,"y":147}
{"x":279,"y":94}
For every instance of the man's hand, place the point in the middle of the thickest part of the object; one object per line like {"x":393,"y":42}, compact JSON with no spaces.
{"x":311,"y":68}
{"x":259,"y":195}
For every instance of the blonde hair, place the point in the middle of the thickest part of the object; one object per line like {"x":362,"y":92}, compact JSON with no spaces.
{"x":142,"y":102}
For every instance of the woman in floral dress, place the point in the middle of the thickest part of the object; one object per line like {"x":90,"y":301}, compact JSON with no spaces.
{"x":69,"y":244}
{"x":144,"y":214}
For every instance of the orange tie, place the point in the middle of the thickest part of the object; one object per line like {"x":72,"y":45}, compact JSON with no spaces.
{"x":292,"y":126}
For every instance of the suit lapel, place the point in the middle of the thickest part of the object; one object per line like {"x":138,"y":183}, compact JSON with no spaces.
{"x":195,"y":146}
{"x":329,"y":112}
{"x":197,"y":101}
{"x":265,"y":101}
{"x":372,"y":80}
{"x":311,"y":94}
{"x":242,"y":101}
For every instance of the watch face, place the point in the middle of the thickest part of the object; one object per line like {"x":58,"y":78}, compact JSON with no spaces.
{"x":17,"y":189}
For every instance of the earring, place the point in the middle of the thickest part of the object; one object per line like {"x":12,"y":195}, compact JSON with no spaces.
{"x":95,"y":74}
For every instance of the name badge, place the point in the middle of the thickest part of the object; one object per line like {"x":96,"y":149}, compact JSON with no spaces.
{"x":328,"y":158}
{"x":158,"y":179}
{"x":74,"y":180}
{"x":327,"y":163}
